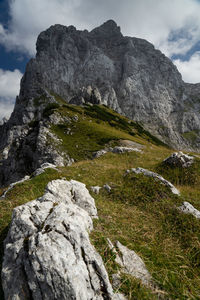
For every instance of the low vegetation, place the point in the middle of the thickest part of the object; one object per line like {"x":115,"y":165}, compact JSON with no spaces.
{"x":139,"y":212}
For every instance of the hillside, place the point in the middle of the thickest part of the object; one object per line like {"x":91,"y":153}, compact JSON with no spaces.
{"x":138,"y":211}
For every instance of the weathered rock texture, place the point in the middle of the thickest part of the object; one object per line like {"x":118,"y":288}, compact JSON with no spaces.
{"x":157,"y":177}
{"x":131,"y":263}
{"x":179,"y":159}
{"x":188,"y":208}
{"x":117,"y":149}
{"x":48,"y":254}
{"x":128,"y":74}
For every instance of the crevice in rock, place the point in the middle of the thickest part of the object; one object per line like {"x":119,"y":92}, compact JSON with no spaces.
{"x":102,"y":282}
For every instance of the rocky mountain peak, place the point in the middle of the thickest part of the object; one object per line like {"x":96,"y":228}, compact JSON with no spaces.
{"x":108,"y":29}
{"x":129,"y":75}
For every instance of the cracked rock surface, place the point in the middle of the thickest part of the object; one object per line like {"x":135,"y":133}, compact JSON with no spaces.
{"x":47,"y":252}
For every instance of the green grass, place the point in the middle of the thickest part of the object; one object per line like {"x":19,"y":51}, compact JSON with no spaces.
{"x":139,"y":212}
{"x":191,"y":135}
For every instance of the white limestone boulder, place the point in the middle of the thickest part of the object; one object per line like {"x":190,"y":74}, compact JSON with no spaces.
{"x":158,"y":177}
{"x":47,"y":252}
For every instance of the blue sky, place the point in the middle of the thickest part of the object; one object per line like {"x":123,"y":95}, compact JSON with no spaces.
{"x":173,"y":26}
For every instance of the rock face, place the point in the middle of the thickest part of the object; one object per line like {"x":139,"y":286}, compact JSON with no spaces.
{"x":127,"y":74}
{"x":48,"y":254}
{"x":156,"y":176}
{"x":179,"y":159}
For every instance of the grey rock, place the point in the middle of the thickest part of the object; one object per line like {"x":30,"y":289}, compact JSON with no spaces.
{"x":131,"y":263}
{"x":47,"y":252}
{"x":116,"y":280}
{"x":120,"y":149}
{"x":116,"y":149}
{"x":99,"y":153}
{"x":24,"y":148}
{"x":179,"y":159}
{"x":11,"y":186}
{"x":86,"y":96}
{"x":43,"y":167}
{"x":187,"y":208}
{"x":107,"y":188}
{"x":95,"y":189}
{"x":156,"y":176}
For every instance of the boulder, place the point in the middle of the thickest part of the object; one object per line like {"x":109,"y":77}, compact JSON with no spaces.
{"x":119,"y":149}
{"x":107,"y":188}
{"x":131,"y":264}
{"x":47,"y":252}
{"x":179,"y":159}
{"x":95,"y":189}
{"x":187,"y":208}
{"x":156,"y":176}
{"x":43,"y":167}
{"x":99,"y":153}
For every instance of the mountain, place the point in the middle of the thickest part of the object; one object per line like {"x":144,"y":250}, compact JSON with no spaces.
{"x":127,"y":74}
{"x":100,"y":67}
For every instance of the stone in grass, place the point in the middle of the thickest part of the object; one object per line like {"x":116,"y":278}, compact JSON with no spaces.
{"x":107,"y":188}
{"x":43,"y":167}
{"x":188,"y":208}
{"x":131,"y":263}
{"x":119,"y":149}
{"x":95,"y":189}
{"x":179,"y":159}
{"x":158,"y":177}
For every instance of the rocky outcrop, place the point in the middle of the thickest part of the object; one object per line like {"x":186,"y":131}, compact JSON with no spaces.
{"x":116,"y":149}
{"x":47,"y":252}
{"x":43,"y":168}
{"x":156,"y":176}
{"x":27,"y":141}
{"x":188,"y":208}
{"x":127,"y":74}
{"x":179,"y":159}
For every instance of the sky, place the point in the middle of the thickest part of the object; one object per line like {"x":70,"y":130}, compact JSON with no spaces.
{"x":173,"y":26}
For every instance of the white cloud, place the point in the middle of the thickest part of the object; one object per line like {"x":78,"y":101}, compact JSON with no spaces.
{"x":9,"y":88}
{"x":6,"y":108}
{"x":9,"y":83}
{"x":190,"y":69}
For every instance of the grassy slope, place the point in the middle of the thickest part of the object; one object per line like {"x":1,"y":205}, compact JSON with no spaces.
{"x":138,"y":212}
